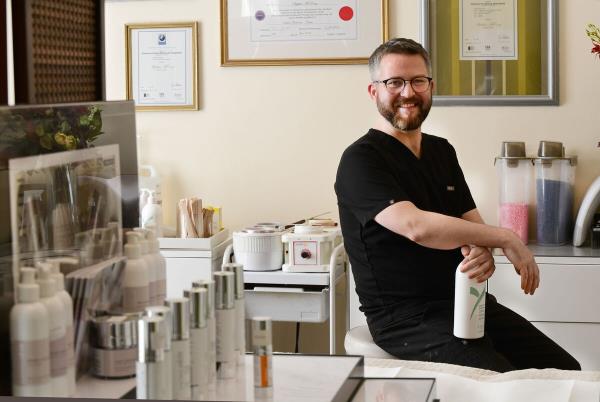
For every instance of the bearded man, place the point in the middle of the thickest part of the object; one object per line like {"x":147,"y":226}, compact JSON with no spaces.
{"x":408,"y":220}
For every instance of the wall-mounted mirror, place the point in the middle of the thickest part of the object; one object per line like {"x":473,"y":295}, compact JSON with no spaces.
{"x":489,"y":52}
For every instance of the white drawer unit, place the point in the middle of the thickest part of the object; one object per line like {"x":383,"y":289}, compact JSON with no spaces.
{"x":288,"y":304}
{"x":566,"y":306}
{"x":186,"y":264}
{"x":289,"y":296}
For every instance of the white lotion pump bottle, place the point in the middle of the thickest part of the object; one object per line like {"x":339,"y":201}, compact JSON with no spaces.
{"x":469,"y":306}
{"x":67,"y":302}
{"x":58,"y":333}
{"x":152,"y":214}
{"x":135,"y":282}
{"x":29,"y":340}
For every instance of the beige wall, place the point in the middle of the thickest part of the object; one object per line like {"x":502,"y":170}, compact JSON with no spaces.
{"x":266,"y":141}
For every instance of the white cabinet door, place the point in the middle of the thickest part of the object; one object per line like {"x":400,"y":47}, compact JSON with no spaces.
{"x":582,"y":341}
{"x":567,"y":293}
{"x":181,"y":272}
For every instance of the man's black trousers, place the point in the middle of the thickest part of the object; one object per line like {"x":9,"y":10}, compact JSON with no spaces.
{"x":510,"y":341}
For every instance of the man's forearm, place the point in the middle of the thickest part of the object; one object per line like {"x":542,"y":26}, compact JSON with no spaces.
{"x":445,"y":232}
{"x":439,"y":231}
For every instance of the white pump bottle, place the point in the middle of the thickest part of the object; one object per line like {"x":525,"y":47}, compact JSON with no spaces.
{"x":58,"y":333}
{"x":29,"y":339}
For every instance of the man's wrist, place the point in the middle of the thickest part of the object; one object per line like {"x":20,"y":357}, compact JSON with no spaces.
{"x":506,"y":237}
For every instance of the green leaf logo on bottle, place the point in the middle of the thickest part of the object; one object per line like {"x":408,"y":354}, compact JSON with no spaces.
{"x":479,"y":296}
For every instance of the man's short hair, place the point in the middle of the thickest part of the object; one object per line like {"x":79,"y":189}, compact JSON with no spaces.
{"x":397,"y":46}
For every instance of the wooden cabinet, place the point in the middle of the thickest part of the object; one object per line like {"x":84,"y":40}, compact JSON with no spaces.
{"x":566,"y":306}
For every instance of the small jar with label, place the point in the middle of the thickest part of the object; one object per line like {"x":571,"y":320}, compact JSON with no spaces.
{"x":114,"y":346}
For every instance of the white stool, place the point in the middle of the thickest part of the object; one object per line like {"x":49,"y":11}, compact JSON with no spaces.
{"x":358,"y":341}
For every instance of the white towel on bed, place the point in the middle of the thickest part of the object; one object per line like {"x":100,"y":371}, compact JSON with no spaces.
{"x":466,"y":384}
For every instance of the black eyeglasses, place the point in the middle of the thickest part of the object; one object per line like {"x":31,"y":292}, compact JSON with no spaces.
{"x":396,"y":84}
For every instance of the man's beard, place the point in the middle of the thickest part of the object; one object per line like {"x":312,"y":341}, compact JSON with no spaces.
{"x":392,"y":115}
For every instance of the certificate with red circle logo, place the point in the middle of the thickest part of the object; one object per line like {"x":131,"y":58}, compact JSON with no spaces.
{"x":292,"y":20}
{"x":301,"y":31}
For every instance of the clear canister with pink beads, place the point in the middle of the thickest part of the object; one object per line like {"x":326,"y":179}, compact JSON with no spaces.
{"x":515,"y":172}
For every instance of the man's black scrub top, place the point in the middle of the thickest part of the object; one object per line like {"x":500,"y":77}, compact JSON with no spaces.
{"x":394,"y":276}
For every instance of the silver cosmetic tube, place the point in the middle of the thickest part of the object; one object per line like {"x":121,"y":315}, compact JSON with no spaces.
{"x":180,"y":347}
{"x":199,"y":338}
{"x":209,"y":285}
{"x":240,"y":316}
{"x":225,"y":318}
{"x":165,"y":313}
{"x":151,"y":372}
{"x":262,"y":345}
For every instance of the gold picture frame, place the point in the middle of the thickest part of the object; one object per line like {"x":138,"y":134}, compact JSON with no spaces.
{"x":162,"y":65}
{"x":334,"y":32}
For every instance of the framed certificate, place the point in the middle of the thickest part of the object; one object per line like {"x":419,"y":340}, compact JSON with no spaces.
{"x":291,"y":32}
{"x":492,"y":53}
{"x":162,"y":66}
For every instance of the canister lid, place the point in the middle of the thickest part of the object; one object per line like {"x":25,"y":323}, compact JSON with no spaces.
{"x":180,"y":318}
{"x":238,"y":271}
{"x":512,"y":152}
{"x":224,"y":290}
{"x":513,"y":149}
{"x":114,"y":332}
{"x":261,"y":331}
{"x":553,"y":150}
{"x":307,"y":229}
{"x":198,"y":298}
{"x":258,"y":230}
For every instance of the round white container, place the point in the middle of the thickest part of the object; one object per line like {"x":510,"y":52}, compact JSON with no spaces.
{"x":258,"y":249}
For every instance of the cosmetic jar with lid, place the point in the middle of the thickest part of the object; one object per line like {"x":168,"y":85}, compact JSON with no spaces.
{"x":114,"y":346}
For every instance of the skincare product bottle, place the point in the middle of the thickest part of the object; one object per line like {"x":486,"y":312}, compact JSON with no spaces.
{"x":151,"y":374}
{"x":67,"y":302}
{"x":225,"y":318}
{"x":262,"y":345}
{"x":138,"y":237}
{"x":136,"y":280}
{"x":209,"y":285}
{"x":114,"y":346}
{"x":165,"y":313}
{"x":469,"y":306}
{"x":58,"y":332}
{"x":152,"y":214}
{"x":161,"y":268}
{"x":180,"y":347}
{"x":29,"y":340}
{"x":199,"y":337}
{"x":240,"y":316}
